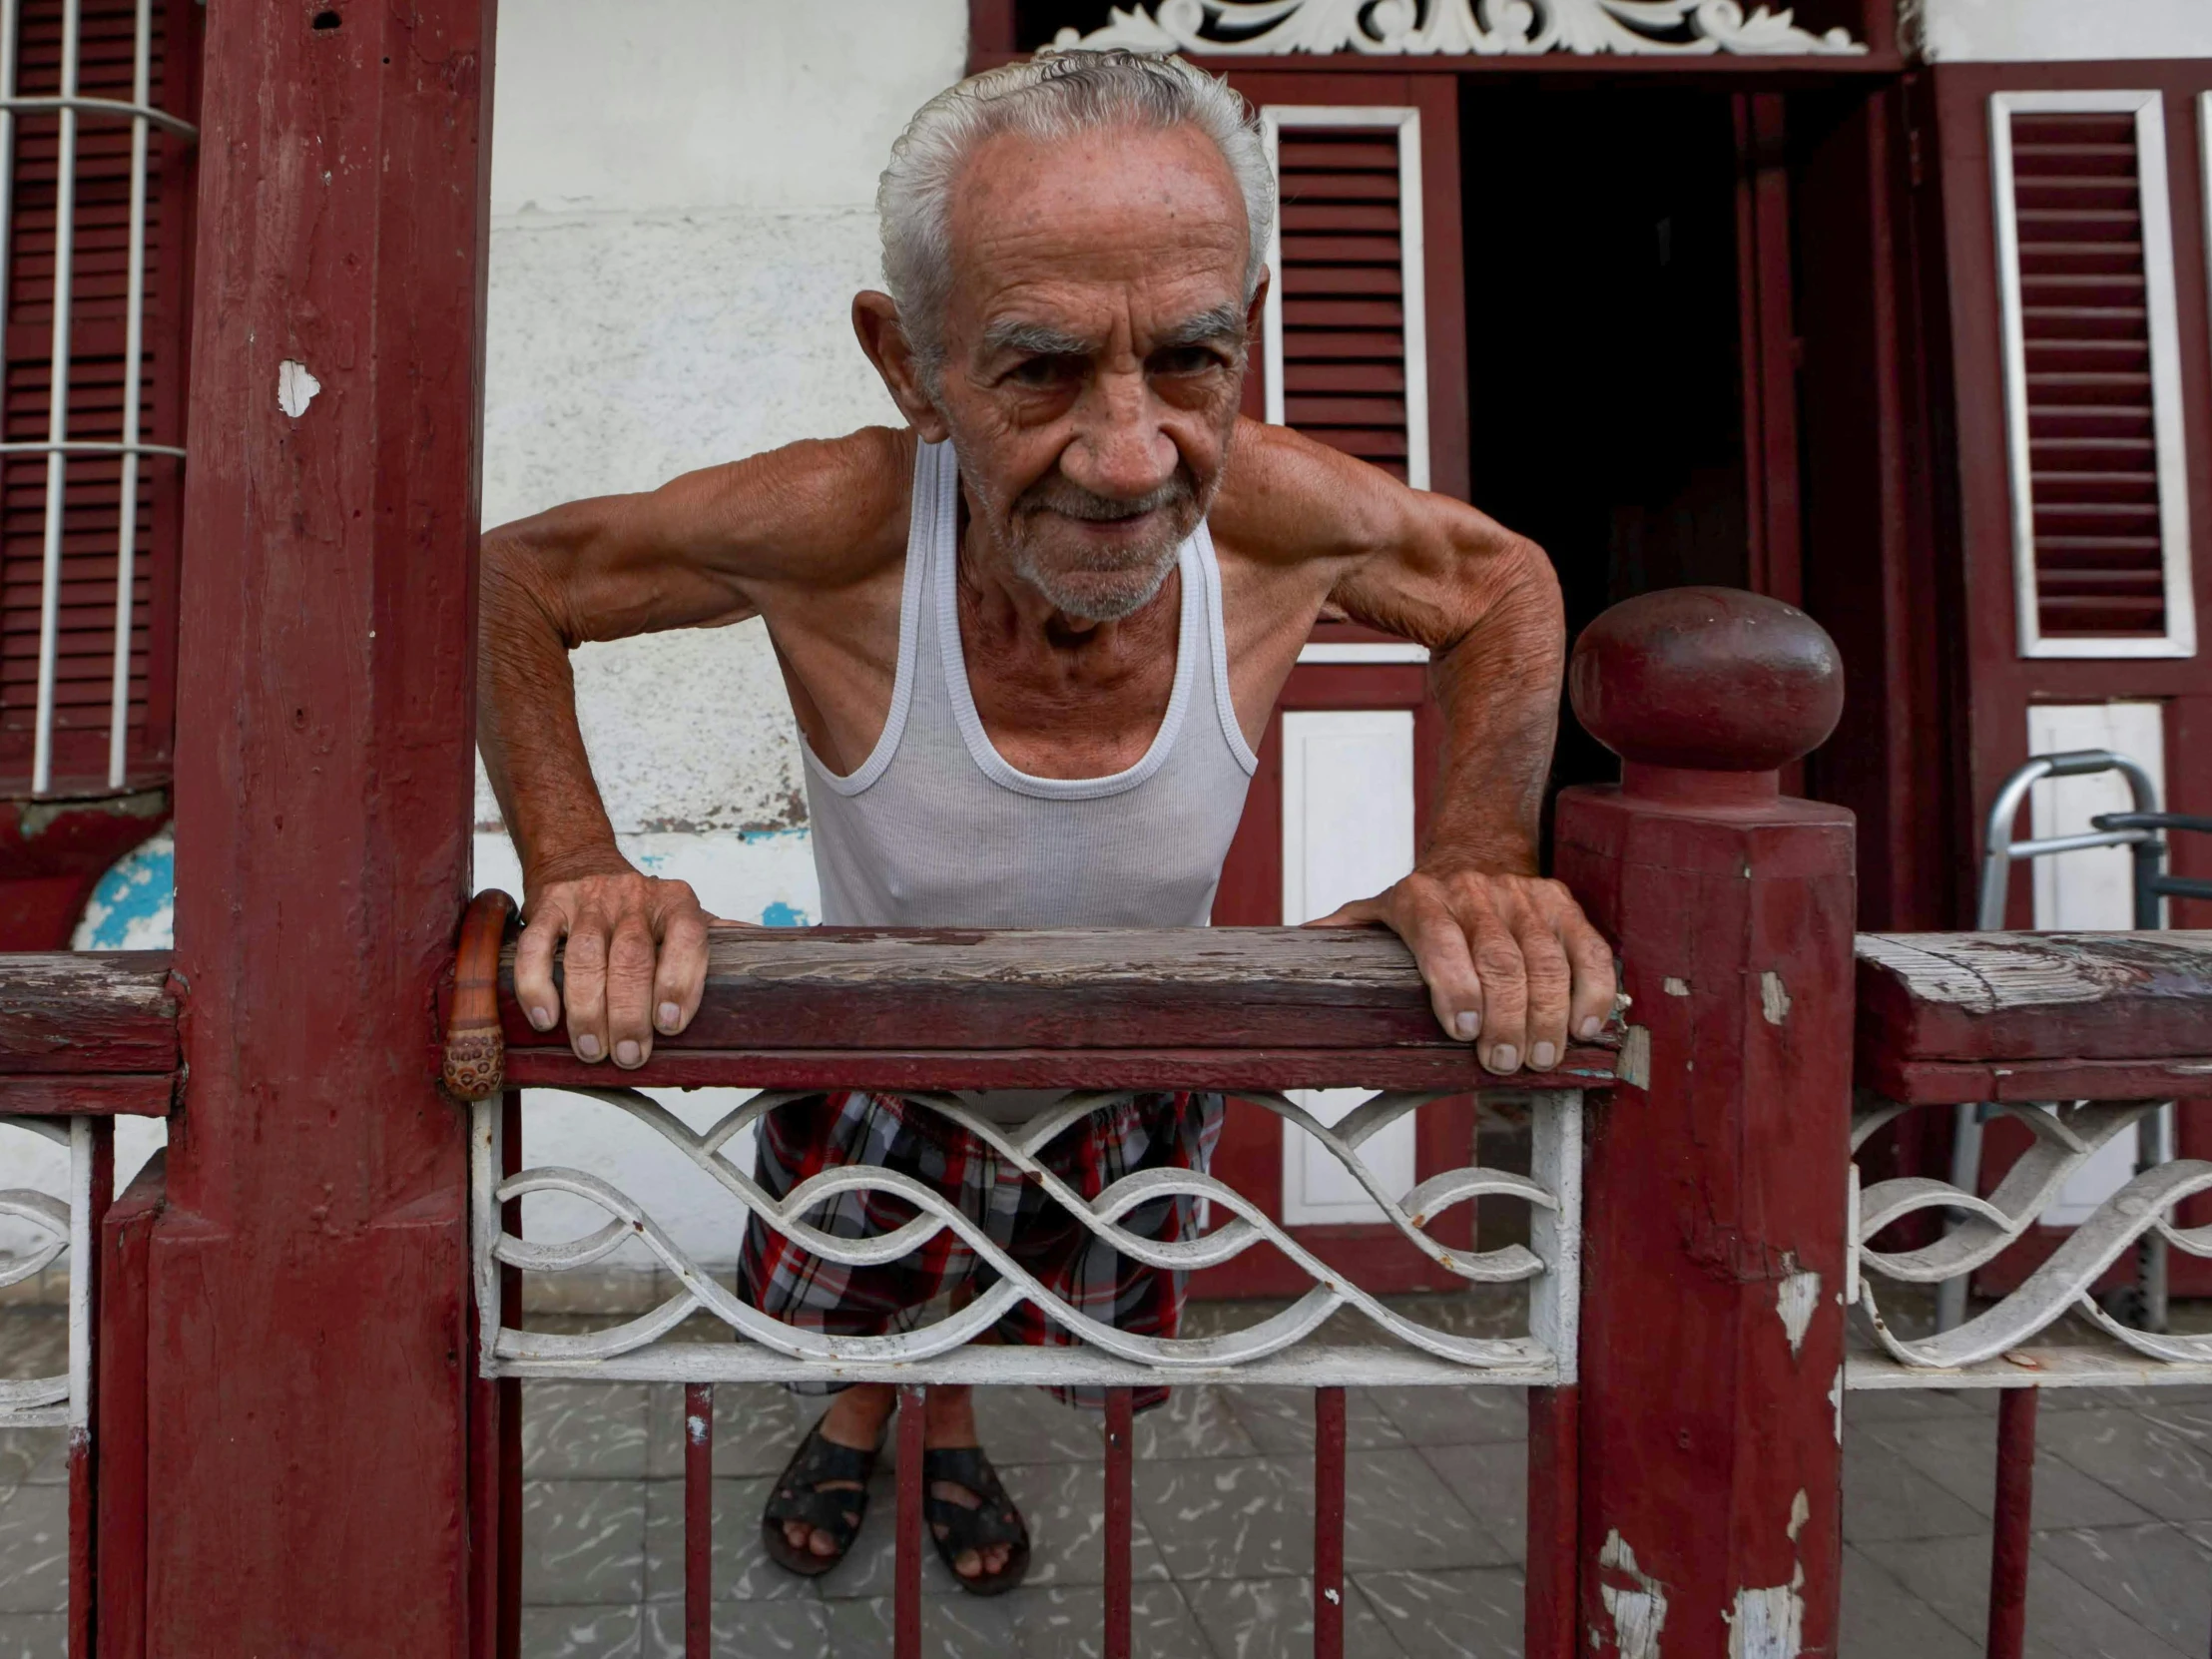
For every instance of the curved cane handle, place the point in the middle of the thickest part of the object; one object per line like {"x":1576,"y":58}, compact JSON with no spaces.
{"x":475,"y":1048}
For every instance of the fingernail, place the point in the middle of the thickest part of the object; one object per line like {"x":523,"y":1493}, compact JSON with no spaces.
{"x":669,"y":1014}
{"x":627,"y":1053}
{"x":1542,"y":1056}
{"x":1467,"y":1026}
{"x":1590,"y":1026}
{"x":1505,"y":1057}
{"x":542,"y":1018}
{"x":588,"y":1046}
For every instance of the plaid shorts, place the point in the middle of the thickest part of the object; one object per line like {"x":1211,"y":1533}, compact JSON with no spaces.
{"x":805,"y":1137}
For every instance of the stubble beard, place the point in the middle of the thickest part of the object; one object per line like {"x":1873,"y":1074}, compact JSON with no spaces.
{"x":1097,"y":584}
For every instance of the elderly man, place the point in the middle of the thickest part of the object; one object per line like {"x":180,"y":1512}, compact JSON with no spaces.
{"x":1031,"y":642}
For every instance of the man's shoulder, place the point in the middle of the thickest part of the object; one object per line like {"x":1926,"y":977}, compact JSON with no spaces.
{"x":1286,"y":498}
{"x":822,"y":506}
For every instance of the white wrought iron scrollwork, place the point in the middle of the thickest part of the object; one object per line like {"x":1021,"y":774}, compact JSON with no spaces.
{"x":57,"y":1226}
{"x":771,"y":1347}
{"x":1473,"y":28}
{"x":2066,"y":1137}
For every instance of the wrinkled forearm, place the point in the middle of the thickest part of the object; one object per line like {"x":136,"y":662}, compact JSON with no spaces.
{"x":526,"y":723}
{"x":1499,"y":689}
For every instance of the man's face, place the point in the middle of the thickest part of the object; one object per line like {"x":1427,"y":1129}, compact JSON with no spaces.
{"x":1094,"y":353}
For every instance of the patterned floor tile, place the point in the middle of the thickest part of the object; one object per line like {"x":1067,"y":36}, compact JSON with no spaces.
{"x":584,"y":1430}
{"x":1960,"y":1455}
{"x":1196,"y":1421}
{"x":1492,"y":1482}
{"x":2164,"y":1467}
{"x":1281,"y":1420}
{"x":1864,"y":1405}
{"x":1472,"y":1613}
{"x":751,"y":1629}
{"x":1456,"y":1417}
{"x":1885,"y":1497}
{"x":34,"y":1550}
{"x":758,"y":1425}
{"x":2157,"y":1576}
{"x":2065,"y":1620}
{"x":34,"y":1636}
{"x":581,"y":1632}
{"x":1881,"y":1619}
{"x":743,"y":1568}
{"x":1030,"y":1622}
{"x":1273,"y":1618}
{"x":33,"y":1456}
{"x":583,"y":1542}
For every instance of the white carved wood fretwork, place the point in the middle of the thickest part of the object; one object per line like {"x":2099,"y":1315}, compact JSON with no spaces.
{"x":2102,"y":1350}
{"x":1471,"y":28}
{"x":1288,"y":1346}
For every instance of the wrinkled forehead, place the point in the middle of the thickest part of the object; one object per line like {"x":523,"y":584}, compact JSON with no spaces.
{"x":1146,"y":224}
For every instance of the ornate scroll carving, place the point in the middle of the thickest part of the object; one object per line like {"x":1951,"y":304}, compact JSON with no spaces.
{"x":1552,"y":1193}
{"x":1473,"y":28}
{"x":2066,"y":1136}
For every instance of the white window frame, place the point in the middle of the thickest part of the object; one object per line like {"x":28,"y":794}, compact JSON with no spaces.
{"x":2180,"y":638}
{"x":1274,"y":119}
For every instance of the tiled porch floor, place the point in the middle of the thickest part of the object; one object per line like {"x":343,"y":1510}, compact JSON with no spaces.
{"x":2123,"y":1550}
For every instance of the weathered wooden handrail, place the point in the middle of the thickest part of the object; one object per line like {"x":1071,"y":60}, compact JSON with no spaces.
{"x":1953,"y":1017}
{"x":920,"y":1008}
{"x":87,"y":1032}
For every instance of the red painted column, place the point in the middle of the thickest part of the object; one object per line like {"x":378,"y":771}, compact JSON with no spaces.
{"x":307,"y":1316}
{"x":1714,"y":1197}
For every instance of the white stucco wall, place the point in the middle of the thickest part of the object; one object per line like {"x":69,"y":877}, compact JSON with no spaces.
{"x":2007,"y":31}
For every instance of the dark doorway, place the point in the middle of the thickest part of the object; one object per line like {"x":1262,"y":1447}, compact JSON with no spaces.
{"x":1604,"y":345}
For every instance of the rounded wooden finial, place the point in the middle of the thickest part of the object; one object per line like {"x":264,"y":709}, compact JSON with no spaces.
{"x":1708,"y":680}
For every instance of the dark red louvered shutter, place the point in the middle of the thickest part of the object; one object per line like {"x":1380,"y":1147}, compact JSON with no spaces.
{"x":2099,"y":506}
{"x":1348,"y":363}
{"x":98,"y":374}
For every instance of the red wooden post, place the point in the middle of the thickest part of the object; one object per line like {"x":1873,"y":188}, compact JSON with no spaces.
{"x":1121,"y":1518}
{"x":1710,"y":1375}
{"x":307,"y":1321}
{"x":2011,"y":1538}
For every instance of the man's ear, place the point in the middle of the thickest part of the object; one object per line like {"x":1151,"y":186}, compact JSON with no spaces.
{"x":876,"y":321}
{"x":1255,"y":314}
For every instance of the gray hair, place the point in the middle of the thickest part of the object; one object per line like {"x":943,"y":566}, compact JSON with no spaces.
{"x":1054,"y":95}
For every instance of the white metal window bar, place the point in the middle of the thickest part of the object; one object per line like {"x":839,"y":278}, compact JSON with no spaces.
{"x":1275,"y":1351}
{"x":70,"y":106}
{"x":58,"y":1226}
{"x":2180,"y":639}
{"x":1274,"y":120}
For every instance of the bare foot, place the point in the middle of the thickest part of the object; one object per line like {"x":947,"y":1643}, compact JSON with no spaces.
{"x":949,"y":1421}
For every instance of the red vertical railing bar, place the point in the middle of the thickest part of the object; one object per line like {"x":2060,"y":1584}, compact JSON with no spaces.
{"x":907,"y":1576}
{"x":2011,"y":1536}
{"x":699,"y":1520}
{"x":1328,"y":1523}
{"x":1121,"y":1517}
{"x":84,"y":1257}
{"x":509,"y":1633}
{"x":1549,"y":1622}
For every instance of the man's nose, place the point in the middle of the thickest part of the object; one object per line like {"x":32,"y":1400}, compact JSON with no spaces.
{"x":1122,"y":450}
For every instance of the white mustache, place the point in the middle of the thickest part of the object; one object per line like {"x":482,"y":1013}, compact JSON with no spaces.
{"x":1071,"y":500}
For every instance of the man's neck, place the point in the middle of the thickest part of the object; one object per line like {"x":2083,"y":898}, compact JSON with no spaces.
{"x":1001,"y":604}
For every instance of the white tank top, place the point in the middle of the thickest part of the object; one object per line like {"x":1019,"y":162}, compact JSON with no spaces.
{"x":936,"y":829}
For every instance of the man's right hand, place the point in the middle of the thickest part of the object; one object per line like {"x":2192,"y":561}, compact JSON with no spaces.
{"x":636,"y":960}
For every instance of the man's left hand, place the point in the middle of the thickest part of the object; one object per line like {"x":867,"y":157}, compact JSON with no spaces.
{"x":1510,"y":960}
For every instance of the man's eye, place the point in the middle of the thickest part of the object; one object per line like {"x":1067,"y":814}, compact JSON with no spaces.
{"x":1185,"y":359}
{"x":1039,"y":372}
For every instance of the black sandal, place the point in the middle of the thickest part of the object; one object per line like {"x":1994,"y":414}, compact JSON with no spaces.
{"x":955,"y":1528}
{"x":799,"y":1496}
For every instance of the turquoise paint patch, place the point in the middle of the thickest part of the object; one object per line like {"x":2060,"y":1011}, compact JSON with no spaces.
{"x":134,"y":907}
{"x":753,"y":838}
{"x":781,"y":915}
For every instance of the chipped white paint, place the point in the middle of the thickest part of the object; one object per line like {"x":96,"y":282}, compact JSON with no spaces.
{"x":1774,"y":998}
{"x":694,"y":1427}
{"x":1767,"y":1624}
{"x":1675,"y":987}
{"x":1795,"y":1299}
{"x":295,"y":388}
{"x":1634,"y":1065}
{"x":1800,"y":1512}
{"x":1638,"y":1614}
{"x":1836,"y":1399}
